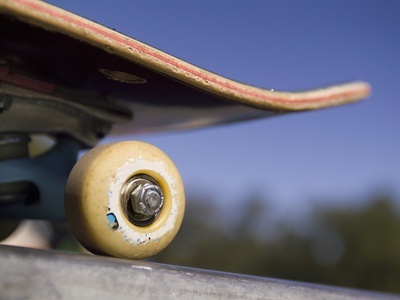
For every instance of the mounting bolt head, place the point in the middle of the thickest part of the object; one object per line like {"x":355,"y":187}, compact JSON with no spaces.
{"x":147,"y":199}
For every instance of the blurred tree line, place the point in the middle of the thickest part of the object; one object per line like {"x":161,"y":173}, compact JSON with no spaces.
{"x":349,"y":246}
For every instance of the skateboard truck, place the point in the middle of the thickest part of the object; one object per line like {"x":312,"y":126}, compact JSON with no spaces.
{"x":25,"y":192}
{"x":54,"y":115}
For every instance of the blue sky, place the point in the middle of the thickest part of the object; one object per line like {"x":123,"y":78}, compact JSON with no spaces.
{"x":341,"y":154}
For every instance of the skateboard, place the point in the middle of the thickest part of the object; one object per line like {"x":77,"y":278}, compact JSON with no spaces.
{"x":66,"y":82}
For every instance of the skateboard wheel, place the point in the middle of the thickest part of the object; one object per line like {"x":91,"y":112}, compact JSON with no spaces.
{"x":125,"y":199}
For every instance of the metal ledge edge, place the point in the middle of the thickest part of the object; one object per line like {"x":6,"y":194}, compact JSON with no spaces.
{"x":45,"y":274}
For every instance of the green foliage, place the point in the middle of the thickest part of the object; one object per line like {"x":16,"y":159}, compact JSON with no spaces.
{"x":345,"y":246}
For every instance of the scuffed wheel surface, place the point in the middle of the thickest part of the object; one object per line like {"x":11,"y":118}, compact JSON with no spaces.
{"x":101,"y":213}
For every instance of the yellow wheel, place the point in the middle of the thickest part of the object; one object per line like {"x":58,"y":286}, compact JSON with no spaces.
{"x":125,"y":199}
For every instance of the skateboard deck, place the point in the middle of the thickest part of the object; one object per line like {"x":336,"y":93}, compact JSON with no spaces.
{"x":49,"y":53}
{"x":76,"y":81}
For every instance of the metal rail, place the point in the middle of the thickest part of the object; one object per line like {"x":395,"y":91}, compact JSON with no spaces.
{"x":42,"y":274}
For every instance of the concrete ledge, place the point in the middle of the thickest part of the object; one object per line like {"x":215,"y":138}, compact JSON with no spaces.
{"x":42,"y":274}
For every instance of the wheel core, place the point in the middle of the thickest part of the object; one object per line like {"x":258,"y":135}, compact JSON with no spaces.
{"x":141,"y":200}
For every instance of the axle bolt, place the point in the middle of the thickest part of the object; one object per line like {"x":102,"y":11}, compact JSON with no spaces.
{"x":147,"y":199}
{"x":142,"y":200}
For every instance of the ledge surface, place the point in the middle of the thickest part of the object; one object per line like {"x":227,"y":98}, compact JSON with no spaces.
{"x":43,"y":274}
